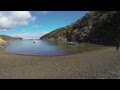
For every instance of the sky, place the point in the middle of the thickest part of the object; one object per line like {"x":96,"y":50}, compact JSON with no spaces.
{"x":34,"y":24}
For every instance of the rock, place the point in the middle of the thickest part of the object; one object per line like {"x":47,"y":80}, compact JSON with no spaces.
{"x":2,"y":43}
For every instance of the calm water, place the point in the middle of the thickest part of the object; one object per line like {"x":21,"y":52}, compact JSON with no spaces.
{"x":27,"y":47}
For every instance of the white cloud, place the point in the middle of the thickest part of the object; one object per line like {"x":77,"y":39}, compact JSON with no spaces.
{"x":26,"y":35}
{"x":12,"y":19}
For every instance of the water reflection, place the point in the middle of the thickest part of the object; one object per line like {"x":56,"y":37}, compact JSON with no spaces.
{"x":27,"y":47}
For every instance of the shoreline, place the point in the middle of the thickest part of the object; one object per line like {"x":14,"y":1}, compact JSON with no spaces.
{"x":2,"y":51}
{"x":98,"y":64}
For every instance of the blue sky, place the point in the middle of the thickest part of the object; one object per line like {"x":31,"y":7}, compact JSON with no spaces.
{"x":34,"y":24}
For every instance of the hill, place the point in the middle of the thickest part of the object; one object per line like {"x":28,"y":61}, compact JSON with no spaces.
{"x":100,"y":27}
{"x":5,"y":37}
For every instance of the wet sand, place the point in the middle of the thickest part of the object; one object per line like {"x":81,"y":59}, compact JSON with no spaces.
{"x":101,"y":64}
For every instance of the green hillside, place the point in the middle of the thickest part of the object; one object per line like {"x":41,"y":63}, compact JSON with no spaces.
{"x":100,"y":27}
{"x":5,"y":37}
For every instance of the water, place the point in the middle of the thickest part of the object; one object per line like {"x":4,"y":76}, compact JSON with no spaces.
{"x":27,"y":47}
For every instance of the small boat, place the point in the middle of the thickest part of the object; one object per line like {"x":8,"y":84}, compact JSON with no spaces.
{"x":35,"y":42}
{"x":72,"y":43}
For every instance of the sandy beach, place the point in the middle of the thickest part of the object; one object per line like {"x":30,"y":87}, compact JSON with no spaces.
{"x":101,"y":64}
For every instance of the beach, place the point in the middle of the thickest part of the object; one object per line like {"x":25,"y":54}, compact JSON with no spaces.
{"x":99,"y":64}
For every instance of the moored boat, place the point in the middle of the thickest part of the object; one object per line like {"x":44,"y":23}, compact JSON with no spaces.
{"x":72,"y":43}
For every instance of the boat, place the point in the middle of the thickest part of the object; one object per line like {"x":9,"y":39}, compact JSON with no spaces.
{"x":72,"y":43}
{"x":35,"y":41}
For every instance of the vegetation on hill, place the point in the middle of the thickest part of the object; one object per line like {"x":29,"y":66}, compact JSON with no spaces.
{"x":5,"y":37}
{"x":100,"y":27}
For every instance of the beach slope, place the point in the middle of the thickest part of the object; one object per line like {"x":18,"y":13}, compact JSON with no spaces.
{"x":101,"y":64}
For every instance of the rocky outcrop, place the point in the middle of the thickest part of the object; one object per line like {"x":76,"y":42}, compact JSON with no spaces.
{"x":2,"y":43}
{"x":4,"y":39}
